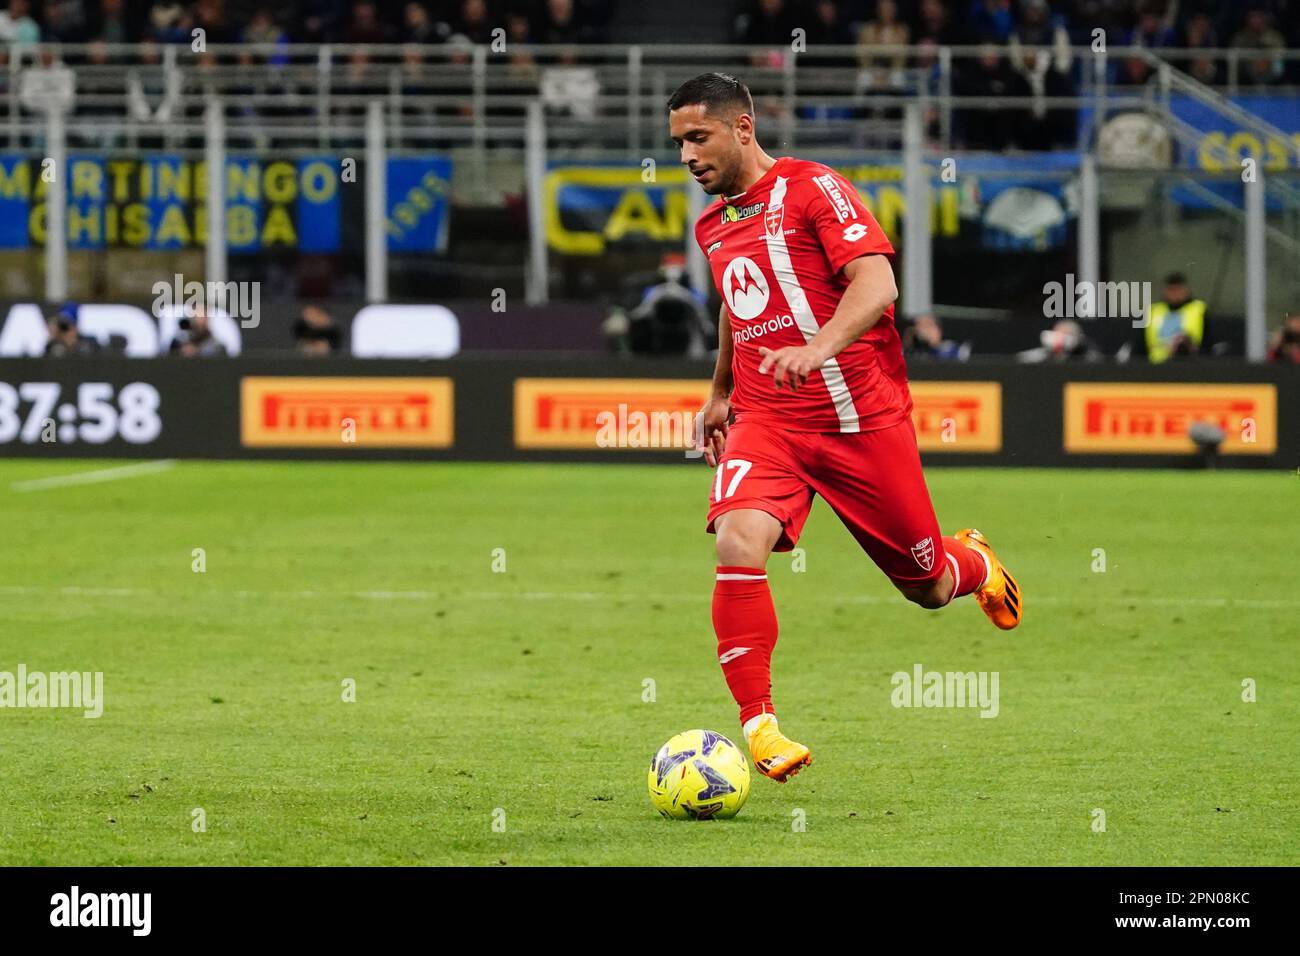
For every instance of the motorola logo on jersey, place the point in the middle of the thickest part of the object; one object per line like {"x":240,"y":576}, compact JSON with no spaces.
{"x":774,"y":324}
{"x":744,"y":288}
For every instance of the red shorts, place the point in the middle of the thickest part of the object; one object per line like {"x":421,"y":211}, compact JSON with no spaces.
{"x":871,"y":479}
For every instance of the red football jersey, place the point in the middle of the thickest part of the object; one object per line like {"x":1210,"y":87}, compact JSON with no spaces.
{"x":776,"y":252}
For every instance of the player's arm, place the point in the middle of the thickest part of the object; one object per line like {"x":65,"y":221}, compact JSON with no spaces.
{"x":714,"y":418}
{"x":871,"y":290}
{"x":722,"y":370}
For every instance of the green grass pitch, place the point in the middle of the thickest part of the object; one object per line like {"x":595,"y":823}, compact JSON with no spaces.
{"x":516,"y":696}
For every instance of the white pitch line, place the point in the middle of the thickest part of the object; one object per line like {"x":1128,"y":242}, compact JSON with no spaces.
{"x":94,"y":477}
{"x":1257,"y":604}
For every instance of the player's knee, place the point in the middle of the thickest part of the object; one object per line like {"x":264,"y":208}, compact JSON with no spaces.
{"x":741,"y":549}
{"x":743,"y":543}
{"x":930,"y":596}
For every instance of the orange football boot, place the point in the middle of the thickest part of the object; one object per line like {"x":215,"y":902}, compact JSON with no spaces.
{"x":776,"y":755}
{"x":999,"y":595}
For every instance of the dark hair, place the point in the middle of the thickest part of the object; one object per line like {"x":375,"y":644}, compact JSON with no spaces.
{"x":719,"y":93}
{"x":1175,"y":278}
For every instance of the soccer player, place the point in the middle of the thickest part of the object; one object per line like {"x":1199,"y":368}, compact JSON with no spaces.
{"x":809,"y":397}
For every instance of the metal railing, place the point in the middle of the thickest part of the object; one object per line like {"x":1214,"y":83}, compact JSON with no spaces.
{"x":280,"y":100}
{"x":298,"y":97}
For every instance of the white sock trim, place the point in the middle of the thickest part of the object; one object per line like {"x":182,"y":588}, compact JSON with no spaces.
{"x":988,"y":568}
{"x":751,"y":725}
{"x":742,"y":577}
{"x":956,"y":573}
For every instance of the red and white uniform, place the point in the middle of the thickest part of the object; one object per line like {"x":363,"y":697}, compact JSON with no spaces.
{"x":776,"y":252}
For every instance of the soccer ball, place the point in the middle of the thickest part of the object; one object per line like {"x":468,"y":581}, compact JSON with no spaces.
{"x":699,"y":775}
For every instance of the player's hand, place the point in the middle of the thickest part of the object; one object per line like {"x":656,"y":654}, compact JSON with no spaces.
{"x":791,"y":365}
{"x":711,"y":425}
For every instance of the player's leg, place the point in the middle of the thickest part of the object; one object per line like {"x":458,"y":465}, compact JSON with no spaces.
{"x":744,"y":617}
{"x":759,"y":504}
{"x":746,"y":536}
{"x":933,"y":594}
{"x":874,"y":482}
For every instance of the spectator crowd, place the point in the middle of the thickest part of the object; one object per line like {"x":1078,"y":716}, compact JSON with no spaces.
{"x":1025,"y":48}
{"x":1155,"y":24}
{"x":303,"y":21}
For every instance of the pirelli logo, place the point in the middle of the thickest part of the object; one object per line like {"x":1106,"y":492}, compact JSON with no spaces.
{"x":957,"y":416}
{"x":1153,"y":419}
{"x":599,"y":413}
{"x":293,"y":412}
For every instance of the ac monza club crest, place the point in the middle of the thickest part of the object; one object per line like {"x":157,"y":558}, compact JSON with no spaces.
{"x":923,"y":551}
{"x":773,"y":220}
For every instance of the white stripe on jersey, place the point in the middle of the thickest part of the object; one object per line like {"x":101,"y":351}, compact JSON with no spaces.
{"x":779,"y":255}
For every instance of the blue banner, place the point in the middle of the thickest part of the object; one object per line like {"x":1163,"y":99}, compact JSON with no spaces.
{"x":160,"y":202}
{"x":1222,"y":143}
{"x":1023,"y":202}
{"x":419,"y":191}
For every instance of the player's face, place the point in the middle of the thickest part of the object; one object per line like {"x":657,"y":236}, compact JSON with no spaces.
{"x":710,"y":147}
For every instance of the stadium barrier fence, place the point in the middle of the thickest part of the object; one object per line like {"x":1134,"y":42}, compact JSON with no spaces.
{"x":490,"y":408}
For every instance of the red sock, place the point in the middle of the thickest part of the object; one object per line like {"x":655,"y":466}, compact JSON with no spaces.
{"x":745,"y":622}
{"x":967,"y":564}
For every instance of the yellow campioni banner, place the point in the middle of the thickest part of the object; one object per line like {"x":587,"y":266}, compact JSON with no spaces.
{"x":1153,"y":419}
{"x":303,"y":412}
{"x":957,"y":416}
{"x":633,"y":213}
{"x":598,"y":413}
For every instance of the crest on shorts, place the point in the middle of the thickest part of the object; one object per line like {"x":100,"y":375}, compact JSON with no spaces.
{"x":923,"y":551}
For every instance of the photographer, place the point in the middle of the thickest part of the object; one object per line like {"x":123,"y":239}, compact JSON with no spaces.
{"x":669,"y":319}
{"x":1285,"y":345}
{"x":64,"y":338}
{"x":315,"y":332}
{"x":923,"y":338}
{"x":1065,"y":341}
{"x":195,"y":339}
